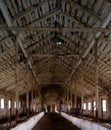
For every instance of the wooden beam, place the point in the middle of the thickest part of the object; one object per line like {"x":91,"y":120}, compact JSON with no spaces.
{"x":48,"y":83}
{"x":47,"y":37}
{"x":80,"y":24}
{"x":103,"y":26}
{"x":46,"y":74}
{"x":56,"y":29}
{"x":58,"y":55}
{"x":9,"y":23}
{"x":28,"y":10}
{"x":84,"y":9}
{"x":45,"y":16}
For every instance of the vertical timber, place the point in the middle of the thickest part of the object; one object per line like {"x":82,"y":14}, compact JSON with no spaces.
{"x":16,"y":79}
{"x":75,"y":98}
{"x":27,"y":92}
{"x":27,"y":101}
{"x":32,"y":96}
{"x":35,"y":97}
{"x":82,"y":88}
{"x":96,"y":82}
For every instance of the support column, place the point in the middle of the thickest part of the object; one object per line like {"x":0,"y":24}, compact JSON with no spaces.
{"x":27,"y":91}
{"x":67,"y":101}
{"x":75,"y":98}
{"x":96,"y":82}
{"x":16,"y":80}
{"x":65,"y":94}
{"x":75,"y":101}
{"x":10,"y":114}
{"x":82,"y":93}
{"x":108,"y":103}
{"x":27,"y":103}
{"x":35,"y":96}
{"x":71,"y":96}
{"x":6,"y":105}
{"x":40,"y":96}
{"x":32,"y":101}
{"x":35,"y":100}
{"x":92,"y":106}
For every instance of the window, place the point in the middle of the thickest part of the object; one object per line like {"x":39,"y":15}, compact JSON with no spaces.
{"x":104,"y":105}
{"x":84,"y":106}
{"x":89,"y":105}
{"x":94,"y":105}
{"x":58,"y":43}
{"x":19,"y":104}
{"x":2,"y":103}
{"x":9,"y":104}
{"x":15,"y":105}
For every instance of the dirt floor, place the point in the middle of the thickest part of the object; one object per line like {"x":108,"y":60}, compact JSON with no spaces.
{"x":53,"y":121}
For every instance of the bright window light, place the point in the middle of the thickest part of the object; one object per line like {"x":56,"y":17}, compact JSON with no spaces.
{"x":9,"y":104}
{"x":58,"y":43}
{"x":89,"y":105}
{"x":94,"y":105}
{"x":15,"y":105}
{"x":84,"y":106}
{"x":104,"y":105}
{"x":2,"y":103}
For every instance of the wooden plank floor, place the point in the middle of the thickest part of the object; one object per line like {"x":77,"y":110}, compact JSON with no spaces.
{"x":53,"y":121}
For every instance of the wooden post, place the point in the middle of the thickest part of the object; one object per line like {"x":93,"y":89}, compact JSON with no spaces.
{"x":82,"y":96}
{"x":75,"y":98}
{"x":82,"y":90}
{"x":65,"y":97}
{"x":32,"y":100}
{"x":10,"y":112}
{"x":27,"y":102}
{"x":27,"y":92}
{"x":71,"y":93}
{"x":96,"y":82}
{"x":67,"y":101}
{"x":75,"y":101}
{"x":16,"y":80}
{"x":65,"y":94}
{"x":92,"y":106}
{"x":71,"y":96}
{"x":6,"y":105}
{"x":35,"y":96}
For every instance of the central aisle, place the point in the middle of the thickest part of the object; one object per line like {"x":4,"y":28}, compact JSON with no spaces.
{"x":53,"y":121}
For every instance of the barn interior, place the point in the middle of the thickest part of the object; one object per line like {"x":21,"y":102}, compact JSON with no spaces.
{"x":55,"y":55}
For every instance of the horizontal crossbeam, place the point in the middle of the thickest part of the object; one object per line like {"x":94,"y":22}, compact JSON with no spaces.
{"x":66,"y":29}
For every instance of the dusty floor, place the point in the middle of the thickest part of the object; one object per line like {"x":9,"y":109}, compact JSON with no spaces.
{"x":53,"y":121}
